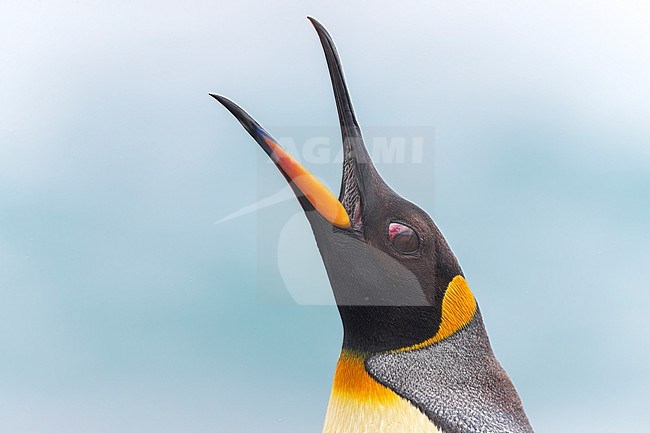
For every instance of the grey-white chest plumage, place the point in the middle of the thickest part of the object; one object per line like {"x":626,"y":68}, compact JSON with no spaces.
{"x":457,"y":383}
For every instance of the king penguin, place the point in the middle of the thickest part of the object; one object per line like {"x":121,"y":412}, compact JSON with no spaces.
{"x":415,"y":355}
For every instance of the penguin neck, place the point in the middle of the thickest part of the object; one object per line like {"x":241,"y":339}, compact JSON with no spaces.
{"x":358,"y":401}
{"x":380,"y":329}
{"x":351,"y":380}
{"x":377,"y":329}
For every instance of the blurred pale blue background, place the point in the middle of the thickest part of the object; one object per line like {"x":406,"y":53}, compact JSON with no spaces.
{"x":124,"y":307}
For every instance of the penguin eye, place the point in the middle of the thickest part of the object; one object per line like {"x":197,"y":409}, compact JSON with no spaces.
{"x":403,"y":238}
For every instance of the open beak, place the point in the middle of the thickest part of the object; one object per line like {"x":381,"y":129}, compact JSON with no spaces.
{"x":360,"y":178}
{"x":359,"y":173}
{"x":311,"y":192}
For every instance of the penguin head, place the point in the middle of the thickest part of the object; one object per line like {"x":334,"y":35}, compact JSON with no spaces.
{"x":390,"y":268}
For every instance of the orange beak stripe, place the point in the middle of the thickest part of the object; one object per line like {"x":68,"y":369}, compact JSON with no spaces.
{"x":321,"y":198}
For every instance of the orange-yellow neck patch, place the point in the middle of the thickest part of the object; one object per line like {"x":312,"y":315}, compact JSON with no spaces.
{"x":352,"y":380}
{"x":458,"y":308}
{"x":360,"y":404}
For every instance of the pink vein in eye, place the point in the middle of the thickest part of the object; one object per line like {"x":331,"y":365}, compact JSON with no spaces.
{"x":394,"y":229}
